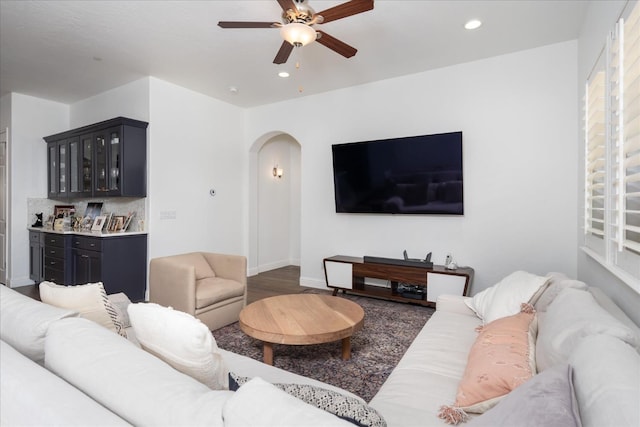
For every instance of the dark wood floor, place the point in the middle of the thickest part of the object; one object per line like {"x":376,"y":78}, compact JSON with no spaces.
{"x":270,"y":283}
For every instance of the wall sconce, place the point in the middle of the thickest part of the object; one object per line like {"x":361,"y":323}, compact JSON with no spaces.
{"x":277,"y":172}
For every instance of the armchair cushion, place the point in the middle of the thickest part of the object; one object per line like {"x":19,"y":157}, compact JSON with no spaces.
{"x":198,"y":261}
{"x":213,"y":290}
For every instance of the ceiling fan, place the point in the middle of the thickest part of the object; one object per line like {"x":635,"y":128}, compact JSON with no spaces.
{"x":298,"y":19}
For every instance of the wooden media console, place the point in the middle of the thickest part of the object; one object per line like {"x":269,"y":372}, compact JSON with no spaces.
{"x":416,"y":284}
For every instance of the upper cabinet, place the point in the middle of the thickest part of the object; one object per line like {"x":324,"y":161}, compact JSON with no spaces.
{"x":107,"y":159}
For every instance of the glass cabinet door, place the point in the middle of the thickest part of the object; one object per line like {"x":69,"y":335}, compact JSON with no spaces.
{"x":62,"y":167}
{"x":74,"y":167}
{"x":114,"y":159}
{"x":86,"y":164}
{"x":101,"y":163}
{"x":53,"y":168}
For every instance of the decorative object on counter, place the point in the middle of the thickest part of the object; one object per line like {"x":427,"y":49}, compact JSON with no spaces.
{"x":98,"y":223}
{"x":127,"y":221}
{"x":61,"y":211}
{"x":58,"y":224}
{"x":94,"y":209}
{"x":49,"y":223}
{"x":38,"y":222}
{"x":87,"y":223}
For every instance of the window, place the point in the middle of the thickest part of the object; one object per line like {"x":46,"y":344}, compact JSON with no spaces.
{"x":612,"y":153}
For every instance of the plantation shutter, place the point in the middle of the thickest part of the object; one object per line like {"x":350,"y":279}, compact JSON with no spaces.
{"x":595,"y":135}
{"x":628,"y":186}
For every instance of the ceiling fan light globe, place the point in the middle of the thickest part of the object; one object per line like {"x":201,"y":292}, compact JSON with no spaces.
{"x":298,"y":34}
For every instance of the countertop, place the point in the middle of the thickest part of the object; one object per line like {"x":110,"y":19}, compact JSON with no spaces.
{"x":87,"y":233}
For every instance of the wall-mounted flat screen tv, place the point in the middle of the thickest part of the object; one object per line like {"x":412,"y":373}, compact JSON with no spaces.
{"x":410,"y":175}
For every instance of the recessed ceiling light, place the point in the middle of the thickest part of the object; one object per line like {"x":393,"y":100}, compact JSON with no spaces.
{"x":473,"y":24}
{"x":283,"y":74}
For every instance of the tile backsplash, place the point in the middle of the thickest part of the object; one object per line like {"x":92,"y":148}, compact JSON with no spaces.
{"x":117,"y":206}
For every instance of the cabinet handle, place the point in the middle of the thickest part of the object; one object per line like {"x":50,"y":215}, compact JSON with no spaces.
{"x":84,"y":256}
{"x":92,"y":245}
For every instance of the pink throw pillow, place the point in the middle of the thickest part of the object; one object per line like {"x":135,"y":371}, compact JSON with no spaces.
{"x":501,"y":359}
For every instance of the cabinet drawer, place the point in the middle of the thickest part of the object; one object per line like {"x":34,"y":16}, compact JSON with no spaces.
{"x":88,"y":243}
{"x":54,"y":240}
{"x":53,"y":263}
{"x":53,"y":251}
{"x":53,"y":275}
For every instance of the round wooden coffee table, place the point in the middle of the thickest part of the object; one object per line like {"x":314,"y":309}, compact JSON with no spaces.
{"x":302,"y":319}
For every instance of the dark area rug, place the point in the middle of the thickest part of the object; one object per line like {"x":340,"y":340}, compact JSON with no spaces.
{"x":389,"y":329}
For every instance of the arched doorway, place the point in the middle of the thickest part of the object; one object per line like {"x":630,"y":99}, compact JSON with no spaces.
{"x":274,"y":203}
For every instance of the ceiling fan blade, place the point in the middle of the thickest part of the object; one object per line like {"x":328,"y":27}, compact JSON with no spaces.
{"x":343,"y":10}
{"x":241,"y":24}
{"x":288,"y":4}
{"x":336,"y":45}
{"x":283,"y":53}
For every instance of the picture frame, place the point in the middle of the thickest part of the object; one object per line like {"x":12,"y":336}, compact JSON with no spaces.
{"x":98,"y":223}
{"x":94,"y":209}
{"x":87,"y":223}
{"x":60,"y":211}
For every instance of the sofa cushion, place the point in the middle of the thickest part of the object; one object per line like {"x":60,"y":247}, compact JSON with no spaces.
{"x":259,"y":403}
{"x":505,"y":297}
{"x":129,"y":381}
{"x":30,"y":395}
{"x":348,"y":408}
{"x":607,"y":381}
{"x":573,"y":315}
{"x":547,"y":399}
{"x":24,"y":322}
{"x":181,"y":340}
{"x":444,"y":342}
{"x":90,"y":300}
{"x":213,"y":290}
{"x":501,"y":359}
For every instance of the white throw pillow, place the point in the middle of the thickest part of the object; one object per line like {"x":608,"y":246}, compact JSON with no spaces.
{"x":181,"y":340}
{"x":90,"y":300}
{"x":505,"y":297}
{"x":259,"y":403}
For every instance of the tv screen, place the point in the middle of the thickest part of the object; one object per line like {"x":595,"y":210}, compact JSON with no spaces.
{"x":411,"y":175}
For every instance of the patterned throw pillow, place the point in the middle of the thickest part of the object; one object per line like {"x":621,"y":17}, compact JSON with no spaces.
{"x":501,"y":359}
{"x":346,"y":407}
{"x":90,"y":300}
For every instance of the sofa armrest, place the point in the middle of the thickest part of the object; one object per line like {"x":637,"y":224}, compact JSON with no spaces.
{"x":233,"y":267}
{"x":172,"y":284}
{"x":454,"y":304}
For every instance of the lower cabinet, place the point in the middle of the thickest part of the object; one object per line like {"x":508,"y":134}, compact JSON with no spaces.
{"x":119,"y":262}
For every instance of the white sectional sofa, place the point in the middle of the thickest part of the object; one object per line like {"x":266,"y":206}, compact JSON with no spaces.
{"x":57,"y":369}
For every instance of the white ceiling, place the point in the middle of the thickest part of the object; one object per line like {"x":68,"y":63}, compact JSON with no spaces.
{"x":67,"y":51}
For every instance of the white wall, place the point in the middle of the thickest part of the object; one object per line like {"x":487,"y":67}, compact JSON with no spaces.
{"x":278,"y":204}
{"x":30,"y":120}
{"x":195,"y":144}
{"x":130,"y":100}
{"x":518,"y":117}
{"x":599,"y":21}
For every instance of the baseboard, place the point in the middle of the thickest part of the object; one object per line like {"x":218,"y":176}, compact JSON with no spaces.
{"x":313,"y":283}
